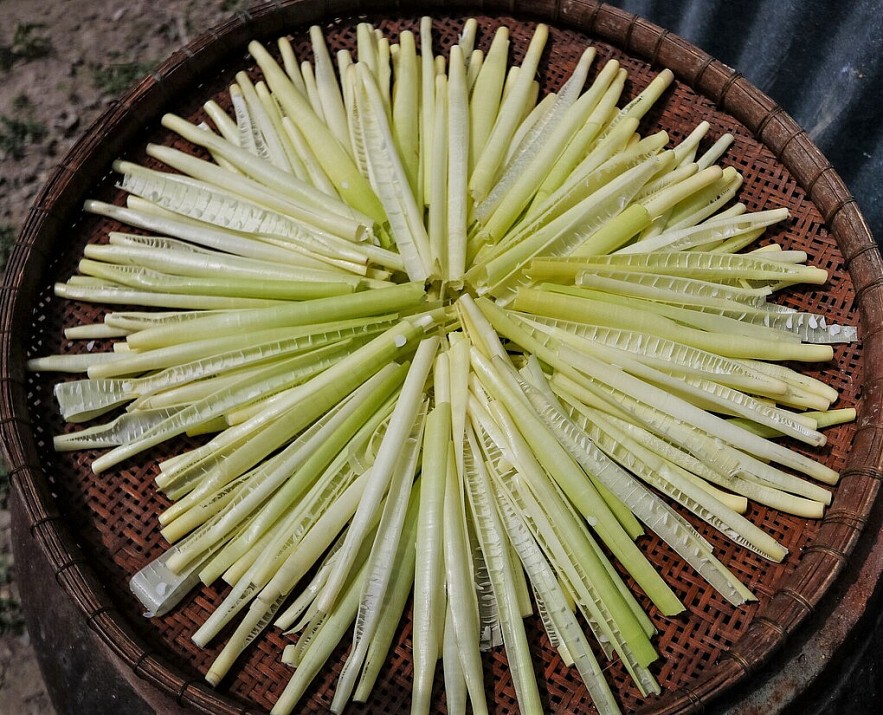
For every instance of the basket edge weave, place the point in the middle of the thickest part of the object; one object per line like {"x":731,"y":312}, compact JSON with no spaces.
{"x":842,"y":526}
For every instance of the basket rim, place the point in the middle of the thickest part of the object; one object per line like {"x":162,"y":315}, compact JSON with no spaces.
{"x":821,"y":564}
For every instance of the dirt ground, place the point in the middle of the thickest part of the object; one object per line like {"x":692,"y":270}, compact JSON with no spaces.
{"x":61,"y":62}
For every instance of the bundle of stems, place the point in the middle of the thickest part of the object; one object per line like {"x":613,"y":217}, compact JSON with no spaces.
{"x":443,"y":336}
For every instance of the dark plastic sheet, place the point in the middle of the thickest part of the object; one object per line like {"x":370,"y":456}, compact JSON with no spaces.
{"x":820,"y":59}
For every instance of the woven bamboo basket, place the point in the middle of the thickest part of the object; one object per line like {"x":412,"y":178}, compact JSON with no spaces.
{"x":96,"y":533}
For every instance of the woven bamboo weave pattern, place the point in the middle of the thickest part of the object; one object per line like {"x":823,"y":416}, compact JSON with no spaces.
{"x":101,"y":530}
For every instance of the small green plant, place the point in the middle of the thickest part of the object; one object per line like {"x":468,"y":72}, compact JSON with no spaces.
{"x":11,"y":618}
{"x":27,"y":44}
{"x":116,"y":77}
{"x":7,"y":238}
{"x":5,"y":570}
{"x":16,"y":134}
{"x":12,"y":621}
{"x":22,"y":103}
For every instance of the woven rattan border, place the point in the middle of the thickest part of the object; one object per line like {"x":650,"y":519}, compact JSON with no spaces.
{"x":71,"y":181}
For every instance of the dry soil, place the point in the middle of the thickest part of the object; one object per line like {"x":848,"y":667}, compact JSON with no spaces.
{"x":61,"y":63}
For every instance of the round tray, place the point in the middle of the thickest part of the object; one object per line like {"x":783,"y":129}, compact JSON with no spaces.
{"x":97,"y":532}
